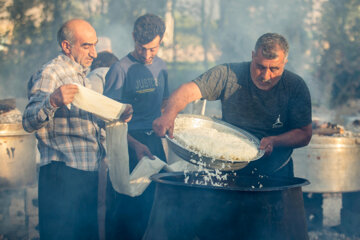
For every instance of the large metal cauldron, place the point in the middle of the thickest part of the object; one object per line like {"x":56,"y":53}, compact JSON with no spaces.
{"x":332,"y":164}
{"x":17,"y":157}
{"x":248,"y":208}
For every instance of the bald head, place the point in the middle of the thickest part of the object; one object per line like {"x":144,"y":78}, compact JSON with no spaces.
{"x":70,"y":29}
{"x":77,"y":39}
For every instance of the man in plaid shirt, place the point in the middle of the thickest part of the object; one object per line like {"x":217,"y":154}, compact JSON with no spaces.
{"x":70,"y":140}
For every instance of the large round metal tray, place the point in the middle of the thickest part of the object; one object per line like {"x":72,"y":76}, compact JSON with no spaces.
{"x":196,"y":121}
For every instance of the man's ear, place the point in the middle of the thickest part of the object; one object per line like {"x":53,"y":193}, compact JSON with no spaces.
{"x":66,"y":46}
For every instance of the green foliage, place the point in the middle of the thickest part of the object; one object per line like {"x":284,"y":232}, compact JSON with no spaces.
{"x":117,"y":22}
{"x":126,"y":11}
{"x":233,"y":31}
{"x":340,"y":59}
{"x":33,"y":41}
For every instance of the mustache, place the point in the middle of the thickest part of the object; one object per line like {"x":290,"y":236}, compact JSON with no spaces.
{"x":261,"y":79}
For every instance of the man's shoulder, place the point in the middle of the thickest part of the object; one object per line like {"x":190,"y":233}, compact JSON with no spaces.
{"x":98,"y":71}
{"x":159,"y":59}
{"x":123,"y":63}
{"x":55,"y":63}
{"x":47,"y":67}
{"x":237,"y":70}
{"x":50,"y":70}
{"x":235,"y":67}
{"x":292,"y":78}
{"x":239,"y":66}
{"x":294,"y":82}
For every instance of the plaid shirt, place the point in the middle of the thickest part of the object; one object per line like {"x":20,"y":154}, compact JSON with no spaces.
{"x":64,"y":134}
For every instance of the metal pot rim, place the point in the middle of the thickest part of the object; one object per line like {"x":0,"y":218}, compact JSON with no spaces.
{"x":12,"y":129}
{"x":195,"y":158}
{"x":295,"y":182}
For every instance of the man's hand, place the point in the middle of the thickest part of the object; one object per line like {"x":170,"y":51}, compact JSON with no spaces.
{"x":267,"y":144}
{"x":163,"y":125}
{"x":127,"y":114}
{"x":295,"y":138}
{"x":63,"y":95}
{"x":142,"y":150}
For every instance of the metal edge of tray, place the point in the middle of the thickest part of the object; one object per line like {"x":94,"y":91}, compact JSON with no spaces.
{"x":225,"y":165}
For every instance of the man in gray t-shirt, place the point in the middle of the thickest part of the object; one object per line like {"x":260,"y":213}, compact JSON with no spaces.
{"x":260,"y":97}
{"x":139,"y":78}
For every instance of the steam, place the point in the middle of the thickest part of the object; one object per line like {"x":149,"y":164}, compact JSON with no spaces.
{"x":238,"y":24}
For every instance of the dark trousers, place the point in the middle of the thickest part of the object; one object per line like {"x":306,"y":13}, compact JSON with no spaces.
{"x":127,"y":217}
{"x":67,"y":203}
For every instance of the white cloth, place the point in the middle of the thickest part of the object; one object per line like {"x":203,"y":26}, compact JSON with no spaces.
{"x":133,"y":184}
{"x":100,"y":105}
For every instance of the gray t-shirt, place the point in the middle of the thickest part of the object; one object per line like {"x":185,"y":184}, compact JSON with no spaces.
{"x":262,"y":113}
{"x":144,"y":86}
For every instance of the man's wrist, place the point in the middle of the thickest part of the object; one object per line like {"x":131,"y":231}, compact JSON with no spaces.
{"x":52,"y":102}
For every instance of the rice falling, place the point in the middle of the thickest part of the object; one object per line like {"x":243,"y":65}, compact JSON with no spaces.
{"x":215,"y":144}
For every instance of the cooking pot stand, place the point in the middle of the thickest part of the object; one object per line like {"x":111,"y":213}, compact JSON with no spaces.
{"x":133,"y":184}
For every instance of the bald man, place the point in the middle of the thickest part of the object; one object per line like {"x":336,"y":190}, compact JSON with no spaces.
{"x":70,"y":140}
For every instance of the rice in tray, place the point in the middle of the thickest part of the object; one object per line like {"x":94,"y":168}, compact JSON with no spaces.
{"x":215,"y":144}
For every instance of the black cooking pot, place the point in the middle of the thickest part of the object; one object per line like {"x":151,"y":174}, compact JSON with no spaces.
{"x":241,"y":207}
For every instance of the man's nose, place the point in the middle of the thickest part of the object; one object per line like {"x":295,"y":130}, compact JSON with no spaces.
{"x":266,"y":75}
{"x":93,"y":52}
{"x":146,"y":54}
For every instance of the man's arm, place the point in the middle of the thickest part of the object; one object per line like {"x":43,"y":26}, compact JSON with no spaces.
{"x":295,"y":138}
{"x":163,"y":105}
{"x":114,"y":81}
{"x":181,"y":97}
{"x":42,"y":106}
{"x":140,"y":149}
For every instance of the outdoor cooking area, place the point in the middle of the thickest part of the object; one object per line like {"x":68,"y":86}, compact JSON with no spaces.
{"x":179,"y":120}
{"x":325,"y":178}
{"x":18,"y":174}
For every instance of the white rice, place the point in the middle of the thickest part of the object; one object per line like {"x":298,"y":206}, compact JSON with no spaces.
{"x":215,"y":144}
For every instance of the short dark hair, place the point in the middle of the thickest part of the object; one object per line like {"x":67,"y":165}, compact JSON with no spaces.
{"x":147,"y":27}
{"x":104,"y":59}
{"x":65,"y":33}
{"x":268,"y":44}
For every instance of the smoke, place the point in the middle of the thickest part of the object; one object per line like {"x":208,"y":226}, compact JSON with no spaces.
{"x":121,"y":38}
{"x":243,"y":22}
{"x":232,"y":26}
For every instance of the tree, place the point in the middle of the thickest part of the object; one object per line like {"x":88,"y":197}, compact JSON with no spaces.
{"x":339,"y":68}
{"x":120,"y":19}
{"x":242,"y":22}
{"x":33,"y":39}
